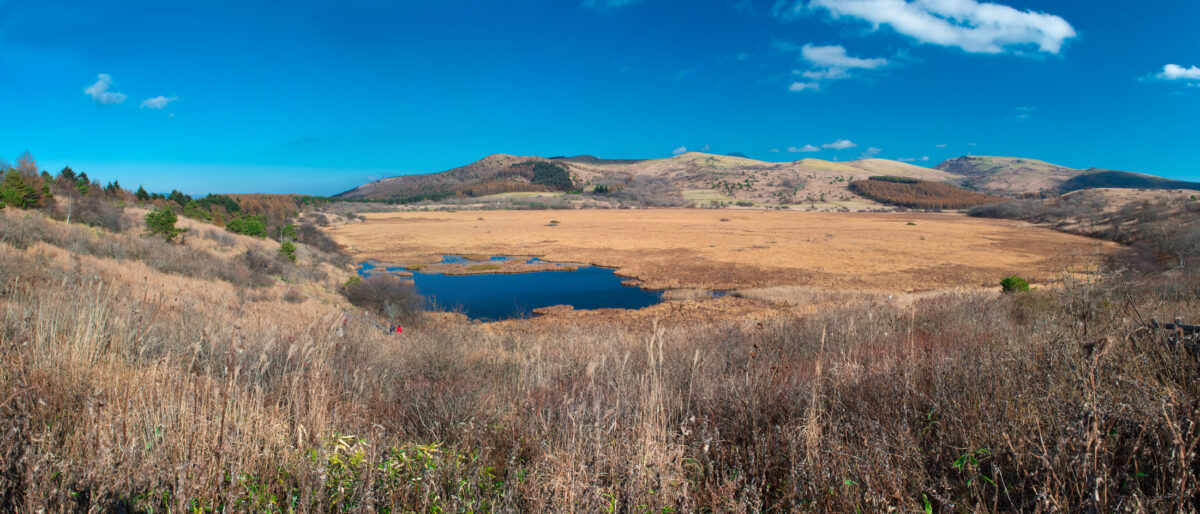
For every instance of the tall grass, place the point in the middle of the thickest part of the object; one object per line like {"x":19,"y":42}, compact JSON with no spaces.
{"x":158,"y":394}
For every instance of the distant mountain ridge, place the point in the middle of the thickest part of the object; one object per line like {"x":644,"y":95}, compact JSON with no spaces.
{"x":695,"y":178}
{"x":1015,"y":175}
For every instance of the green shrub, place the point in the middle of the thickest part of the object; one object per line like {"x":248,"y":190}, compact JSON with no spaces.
{"x":193,"y":210}
{"x":287,"y":249}
{"x":1014,"y":284}
{"x":161,"y":222}
{"x":248,"y":225}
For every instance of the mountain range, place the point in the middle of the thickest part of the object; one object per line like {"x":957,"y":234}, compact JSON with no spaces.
{"x":695,"y":178}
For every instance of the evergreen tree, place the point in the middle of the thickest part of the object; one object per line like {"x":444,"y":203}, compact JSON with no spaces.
{"x":288,"y":249}
{"x":142,"y":195}
{"x":17,"y":192}
{"x":161,"y":222}
{"x":47,"y":183}
{"x":179,"y":198}
{"x":195,"y":211}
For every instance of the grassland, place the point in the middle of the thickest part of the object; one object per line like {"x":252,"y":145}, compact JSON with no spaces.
{"x":139,"y":375}
{"x":703,"y":197}
{"x":721,"y":249}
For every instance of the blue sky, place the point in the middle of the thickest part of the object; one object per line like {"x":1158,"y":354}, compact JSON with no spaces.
{"x":319,"y":96}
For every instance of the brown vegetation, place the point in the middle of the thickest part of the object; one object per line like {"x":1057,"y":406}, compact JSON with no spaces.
{"x":691,"y":248}
{"x":1161,"y":228}
{"x":170,"y":393}
{"x":127,"y":384}
{"x":387,"y":296}
{"x":920,"y":194}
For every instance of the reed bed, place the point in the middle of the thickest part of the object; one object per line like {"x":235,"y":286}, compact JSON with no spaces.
{"x":127,"y":387}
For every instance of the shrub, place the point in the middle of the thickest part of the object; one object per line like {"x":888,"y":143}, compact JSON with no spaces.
{"x":316,"y":238}
{"x":387,"y":296}
{"x":293,"y":295}
{"x":96,"y":212}
{"x":222,"y":239}
{"x":287,"y":231}
{"x":288,"y":249}
{"x":1014,"y":284}
{"x":161,"y":222}
{"x":265,"y":264}
{"x":248,"y":225}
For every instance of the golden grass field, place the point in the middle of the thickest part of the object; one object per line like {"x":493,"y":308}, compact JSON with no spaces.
{"x":737,"y":249}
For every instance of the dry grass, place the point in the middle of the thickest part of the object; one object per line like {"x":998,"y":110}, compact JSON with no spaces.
{"x":126,"y":388}
{"x":669,"y":249}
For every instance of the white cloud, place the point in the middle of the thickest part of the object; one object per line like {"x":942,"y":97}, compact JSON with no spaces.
{"x":706,"y":148}
{"x":870,"y":152}
{"x":977,"y":27}
{"x":805,"y":149}
{"x":774,"y":150}
{"x":157,"y":102}
{"x":604,"y":5}
{"x":1022,"y":113}
{"x":924,"y":157}
{"x":100,"y":93}
{"x":680,"y":150}
{"x":940,"y":145}
{"x":835,"y":57}
{"x":840,"y":144}
{"x":827,"y":63}
{"x":801,"y":86}
{"x":1177,"y":72}
{"x":913,"y":159}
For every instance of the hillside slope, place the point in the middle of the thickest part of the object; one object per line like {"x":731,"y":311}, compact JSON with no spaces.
{"x":691,"y":178}
{"x":1014,"y":175}
{"x":701,"y":179}
{"x":1009,"y":175}
{"x":1093,"y":178}
{"x":499,"y":173}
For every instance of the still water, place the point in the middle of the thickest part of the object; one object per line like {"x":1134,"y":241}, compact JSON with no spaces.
{"x":495,"y":296}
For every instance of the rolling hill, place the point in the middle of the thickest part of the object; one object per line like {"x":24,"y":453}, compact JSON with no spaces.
{"x":1014,"y":175}
{"x":1094,"y":178}
{"x":700,"y":179}
{"x":692,"y":178}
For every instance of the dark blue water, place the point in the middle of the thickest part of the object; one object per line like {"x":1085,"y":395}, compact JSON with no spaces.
{"x":495,"y":297}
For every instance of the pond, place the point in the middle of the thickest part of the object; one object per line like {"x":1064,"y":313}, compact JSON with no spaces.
{"x":493,"y":297}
